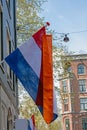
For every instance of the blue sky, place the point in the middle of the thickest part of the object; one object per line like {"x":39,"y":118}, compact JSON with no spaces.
{"x":67,"y":16}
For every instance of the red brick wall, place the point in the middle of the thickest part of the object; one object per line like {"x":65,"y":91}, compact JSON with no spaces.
{"x":76,"y":116}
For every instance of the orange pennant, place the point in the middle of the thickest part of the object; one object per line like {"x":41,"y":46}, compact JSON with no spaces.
{"x":47,"y":79}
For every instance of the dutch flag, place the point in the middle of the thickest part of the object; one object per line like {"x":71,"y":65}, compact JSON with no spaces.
{"x":32,"y":64}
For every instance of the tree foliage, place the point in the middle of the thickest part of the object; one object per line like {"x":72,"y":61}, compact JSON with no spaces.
{"x":28,"y":20}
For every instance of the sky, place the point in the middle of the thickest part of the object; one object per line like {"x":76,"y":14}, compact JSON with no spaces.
{"x":68,"y":16}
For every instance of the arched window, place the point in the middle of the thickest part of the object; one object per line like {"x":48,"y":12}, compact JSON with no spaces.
{"x":81,"y":69}
{"x":67,"y":124}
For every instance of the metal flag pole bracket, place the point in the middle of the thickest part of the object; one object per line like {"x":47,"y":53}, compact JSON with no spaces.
{"x":1,"y":62}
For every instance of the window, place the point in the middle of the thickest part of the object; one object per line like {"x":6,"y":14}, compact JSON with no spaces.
{"x":84,"y":123}
{"x":10,"y":74}
{"x":67,"y":123}
{"x":82,"y":85}
{"x":65,"y":104}
{"x":69,"y":69}
{"x":65,"y":107}
{"x":81,"y":69}
{"x":64,"y":86}
{"x":83,"y":103}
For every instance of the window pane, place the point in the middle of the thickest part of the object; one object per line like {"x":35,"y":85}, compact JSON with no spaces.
{"x":65,"y":107}
{"x":82,"y":85}
{"x":86,"y":106}
{"x":67,"y":122}
{"x":81,"y":69}
{"x":83,"y":103}
{"x":69,"y":69}
{"x":64,"y":85}
{"x":82,"y":107}
{"x":84,"y":123}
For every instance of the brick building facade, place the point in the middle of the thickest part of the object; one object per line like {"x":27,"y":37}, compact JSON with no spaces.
{"x":74,"y":94}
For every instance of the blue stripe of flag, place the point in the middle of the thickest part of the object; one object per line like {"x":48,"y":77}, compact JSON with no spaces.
{"x":24,"y":72}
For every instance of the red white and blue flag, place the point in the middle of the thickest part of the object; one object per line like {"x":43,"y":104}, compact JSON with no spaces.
{"x":32,"y":64}
{"x":31,"y":123}
{"x":24,"y":124}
